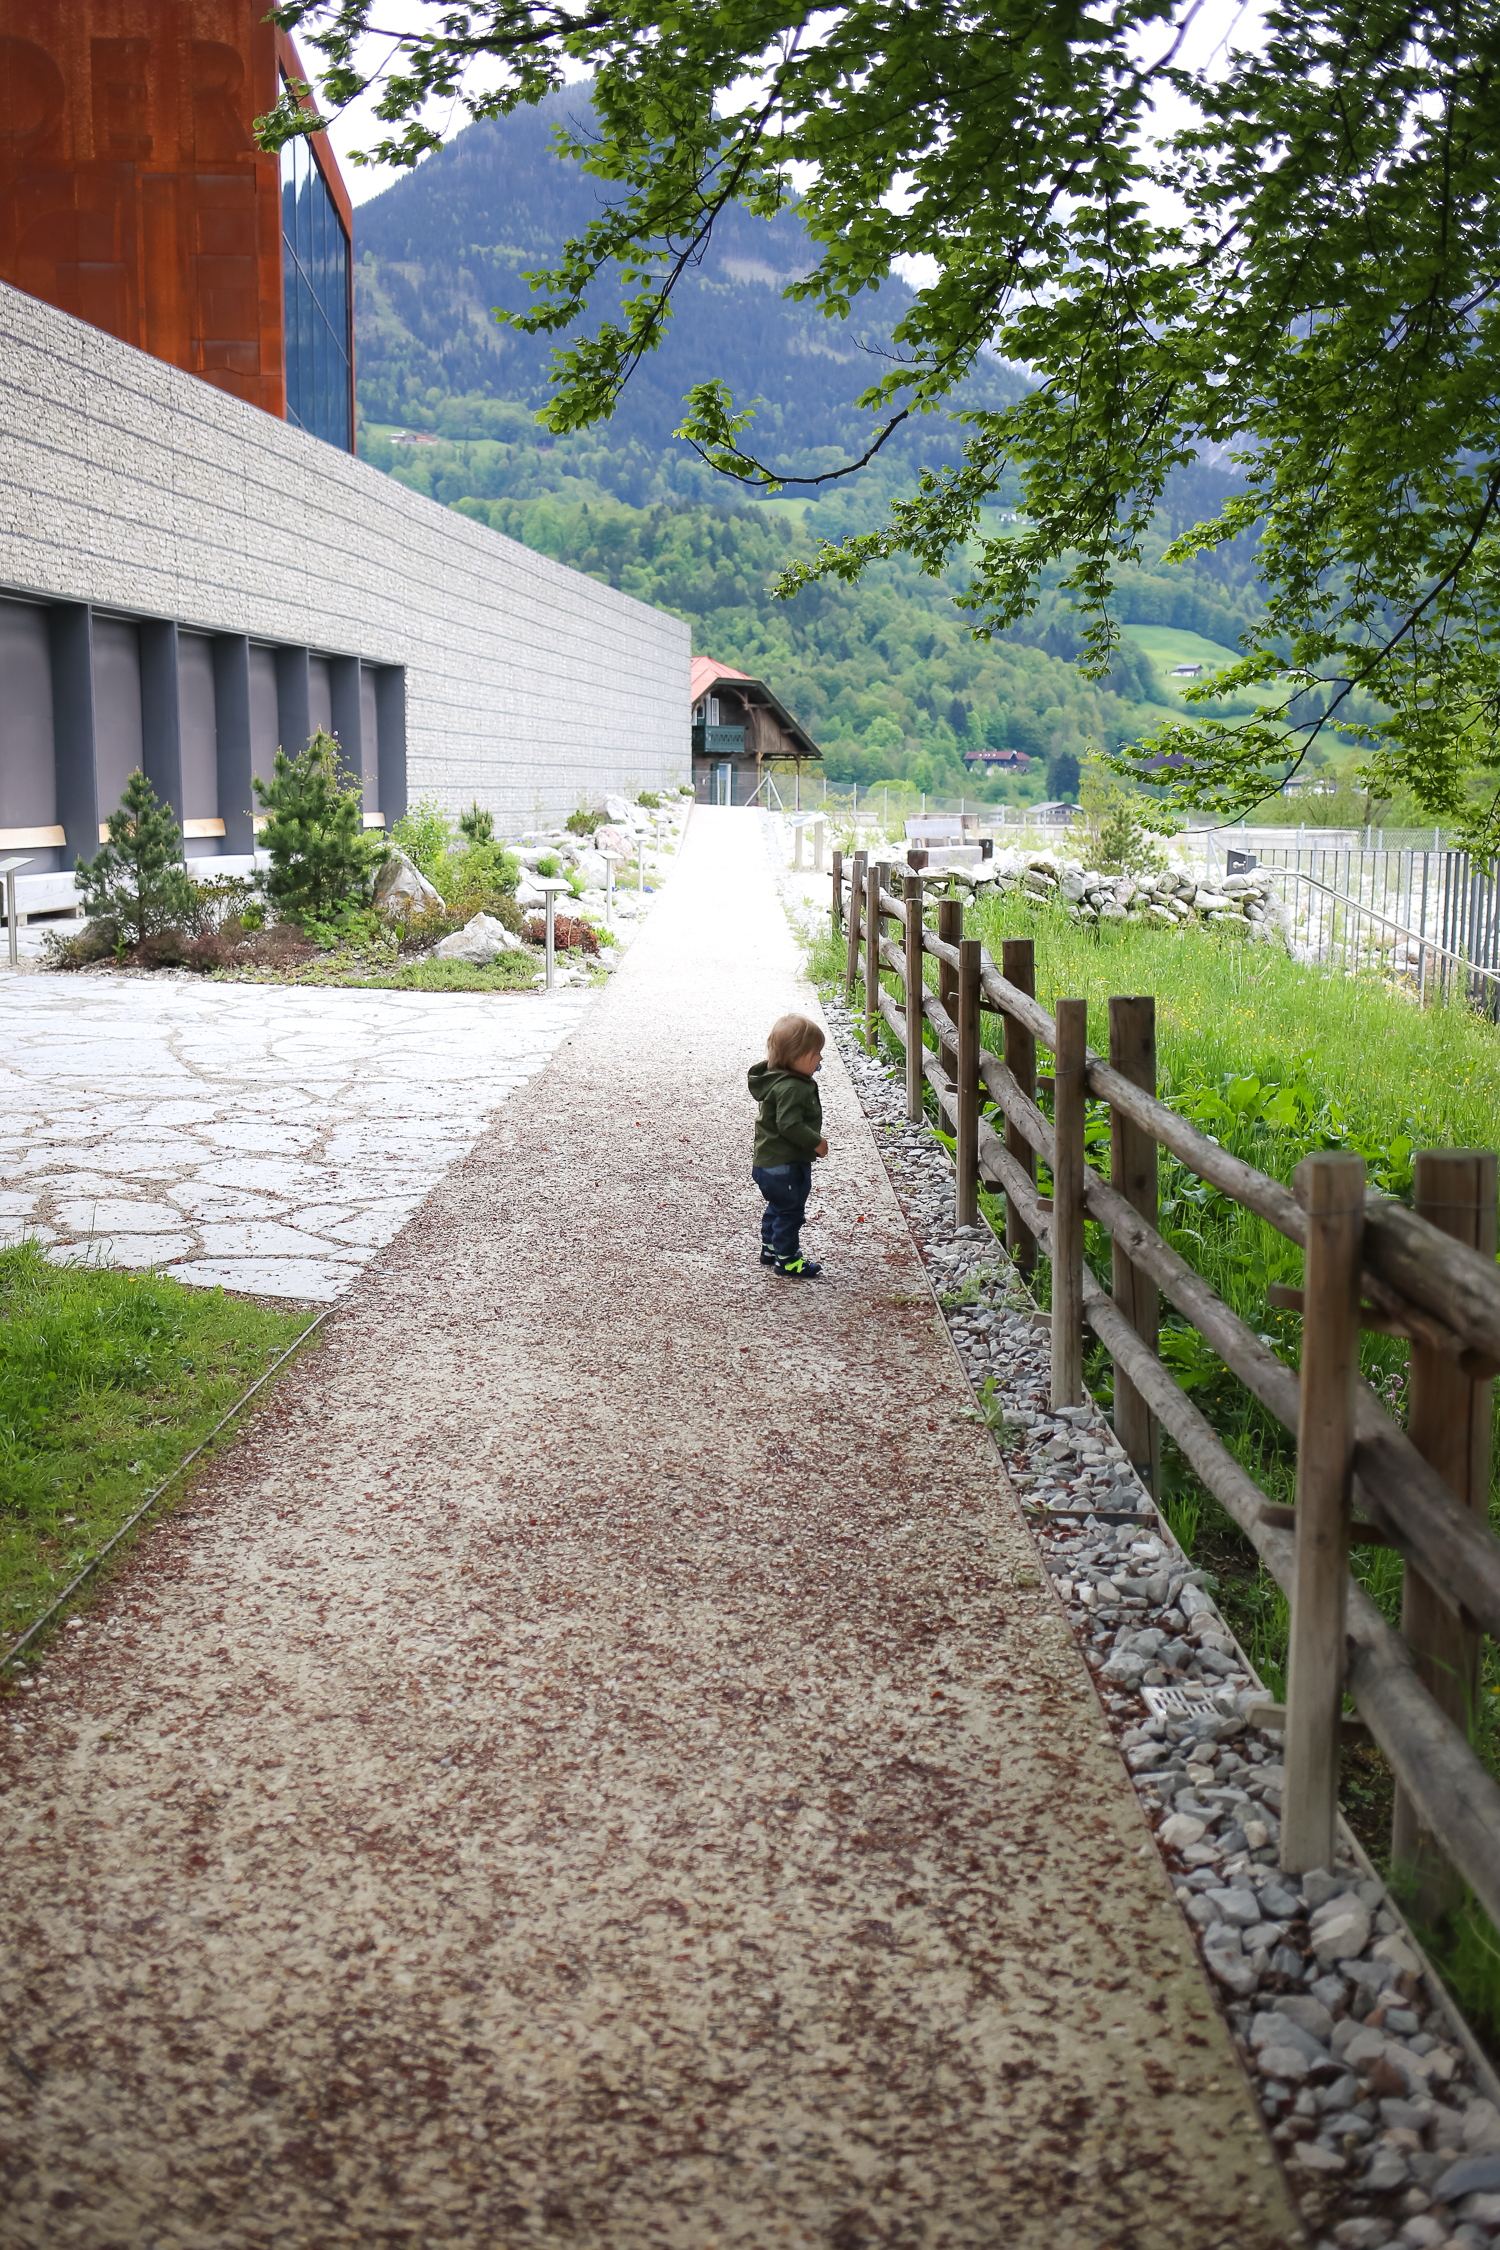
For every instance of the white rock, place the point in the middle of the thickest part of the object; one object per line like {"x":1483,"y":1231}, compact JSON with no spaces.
{"x":594,"y":868}
{"x":1193,"y":1602}
{"x":402,"y":888}
{"x":614,"y":843}
{"x":529,"y":893}
{"x":1398,"y":1952}
{"x":618,"y":808}
{"x":1314,"y":2157}
{"x":1482,"y":2129}
{"x":1340,"y":1931}
{"x":1179,"y":1830}
{"x":480,"y":942}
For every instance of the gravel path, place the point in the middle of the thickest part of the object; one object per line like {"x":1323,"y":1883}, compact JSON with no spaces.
{"x":596,"y":1763}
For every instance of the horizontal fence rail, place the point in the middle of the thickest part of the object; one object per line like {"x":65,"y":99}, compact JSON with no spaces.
{"x":1427,"y":1275}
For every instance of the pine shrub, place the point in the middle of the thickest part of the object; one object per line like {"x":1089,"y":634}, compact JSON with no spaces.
{"x":138,"y":880}
{"x":323,"y":863}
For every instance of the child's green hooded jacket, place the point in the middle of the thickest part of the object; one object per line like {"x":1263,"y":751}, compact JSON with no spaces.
{"x":790,"y":1124}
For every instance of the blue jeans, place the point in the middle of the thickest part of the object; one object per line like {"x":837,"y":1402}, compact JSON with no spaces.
{"x":786,"y":1188}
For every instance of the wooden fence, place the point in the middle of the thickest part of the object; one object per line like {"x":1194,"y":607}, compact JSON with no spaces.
{"x":1427,"y":1275}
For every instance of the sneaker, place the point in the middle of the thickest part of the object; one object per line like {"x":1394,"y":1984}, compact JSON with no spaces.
{"x":767,"y":1254}
{"x":798,"y":1269}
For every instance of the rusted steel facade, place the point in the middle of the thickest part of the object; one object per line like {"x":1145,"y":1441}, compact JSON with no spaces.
{"x":132,"y":193}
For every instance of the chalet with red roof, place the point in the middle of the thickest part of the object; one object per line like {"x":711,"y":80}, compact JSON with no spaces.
{"x":739,"y":729}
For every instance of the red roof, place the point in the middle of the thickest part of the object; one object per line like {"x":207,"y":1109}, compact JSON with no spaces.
{"x":705,"y":672}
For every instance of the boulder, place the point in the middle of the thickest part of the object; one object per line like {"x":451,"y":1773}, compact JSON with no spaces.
{"x":402,"y":888}
{"x":614,"y":842}
{"x":479,"y":942}
{"x":594,"y":869}
{"x":1340,"y":1931}
{"x":529,"y":893}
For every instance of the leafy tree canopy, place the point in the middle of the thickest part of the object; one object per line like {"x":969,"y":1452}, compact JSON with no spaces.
{"x":1304,"y":271}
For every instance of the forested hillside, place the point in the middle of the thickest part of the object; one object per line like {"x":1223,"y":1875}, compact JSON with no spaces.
{"x":886,"y":676}
{"x":436,"y":253}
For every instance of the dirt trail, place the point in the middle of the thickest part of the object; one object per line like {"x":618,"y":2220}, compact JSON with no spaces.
{"x":597,"y":1764}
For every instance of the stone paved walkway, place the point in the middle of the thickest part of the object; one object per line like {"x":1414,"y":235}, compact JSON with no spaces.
{"x":596,"y":1764}
{"x":266,"y":1138}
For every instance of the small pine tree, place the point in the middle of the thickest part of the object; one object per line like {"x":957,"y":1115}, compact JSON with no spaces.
{"x":321,"y":858}
{"x":139,"y":878}
{"x":477,"y":825}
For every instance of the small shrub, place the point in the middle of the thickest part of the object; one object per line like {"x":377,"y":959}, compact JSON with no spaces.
{"x":322,"y":861}
{"x":425,"y":835}
{"x":477,"y":824}
{"x":583,"y":823}
{"x":222,"y":899}
{"x":138,"y":879}
{"x":96,"y":941}
{"x":482,"y":871}
{"x":164,"y":949}
{"x":549,"y":864}
{"x":569,"y":933}
{"x":346,"y":925}
{"x":1118,"y":837}
{"x":650,"y":800}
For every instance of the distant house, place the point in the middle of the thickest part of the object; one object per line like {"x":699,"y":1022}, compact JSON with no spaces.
{"x":1186,"y":672}
{"x":739,"y":728}
{"x":996,"y":761}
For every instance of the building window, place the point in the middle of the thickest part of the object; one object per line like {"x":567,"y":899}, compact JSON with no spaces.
{"x":315,"y":273}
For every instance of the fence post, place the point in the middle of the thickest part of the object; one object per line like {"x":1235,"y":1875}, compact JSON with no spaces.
{"x":1448,"y":1419}
{"x":1018,"y":967}
{"x":951,"y":931}
{"x":874,"y":883}
{"x":915,"y":1045}
{"x":1132,"y":1170}
{"x":967,"y":1124}
{"x":1331,"y":1189}
{"x":838,"y":890}
{"x":818,"y":826}
{"x":1068,"y":1109}
{"x":856,"y":894}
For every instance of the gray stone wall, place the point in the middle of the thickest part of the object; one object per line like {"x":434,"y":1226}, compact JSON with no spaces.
{"x":126,"y":483}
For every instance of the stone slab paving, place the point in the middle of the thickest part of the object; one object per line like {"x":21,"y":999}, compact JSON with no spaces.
{"x":596,"y":1763}
{"x":265,"y":1138}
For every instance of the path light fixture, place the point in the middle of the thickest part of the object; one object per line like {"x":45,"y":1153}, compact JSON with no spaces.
{"x":551,"y":884}
{"x":8,"y":870}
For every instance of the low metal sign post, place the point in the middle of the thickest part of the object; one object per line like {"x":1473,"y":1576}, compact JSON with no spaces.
{"x":8,"y":870}
{"x":551,"y":884}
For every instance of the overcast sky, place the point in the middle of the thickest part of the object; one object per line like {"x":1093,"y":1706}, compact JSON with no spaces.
{"x":1216,"y":24}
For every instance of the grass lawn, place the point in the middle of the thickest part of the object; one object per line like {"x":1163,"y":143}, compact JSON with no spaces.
{"x":1166,"y":646}
{"x":106,"y":1381}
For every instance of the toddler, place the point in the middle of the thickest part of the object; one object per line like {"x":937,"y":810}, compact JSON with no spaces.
{"x":788,"y":1135}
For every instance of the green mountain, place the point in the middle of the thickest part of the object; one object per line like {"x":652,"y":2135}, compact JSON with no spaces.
{"x":886,"y":676}
{"x":439,"y":250}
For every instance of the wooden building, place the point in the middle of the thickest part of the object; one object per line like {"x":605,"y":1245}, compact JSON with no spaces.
{"x":739,"y":729}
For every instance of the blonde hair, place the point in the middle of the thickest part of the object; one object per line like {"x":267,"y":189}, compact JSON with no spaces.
{"x":790,"y":1037}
